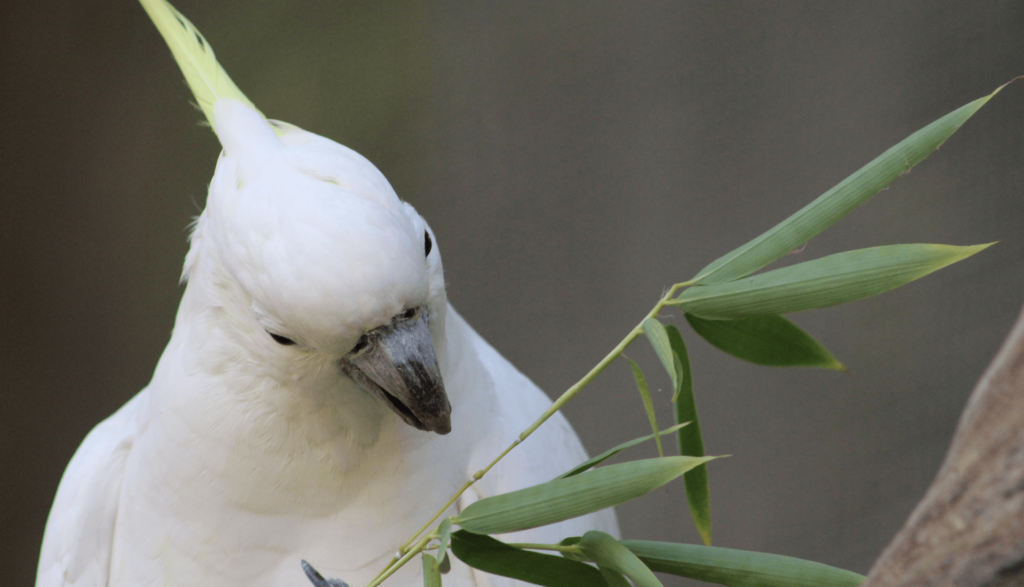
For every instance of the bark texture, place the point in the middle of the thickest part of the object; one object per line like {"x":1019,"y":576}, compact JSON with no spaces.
{"x":969,"y":528}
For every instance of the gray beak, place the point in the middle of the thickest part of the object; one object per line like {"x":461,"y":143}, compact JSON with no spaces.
{"x":396,"y":363}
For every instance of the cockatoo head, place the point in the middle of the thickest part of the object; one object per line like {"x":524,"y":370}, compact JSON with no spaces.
{"x":319,"y":268}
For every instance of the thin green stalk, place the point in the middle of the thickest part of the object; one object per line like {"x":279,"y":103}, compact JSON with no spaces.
{"x":426,"y":540}
{"x":397,"y":562}
{"x":390,"y":569}
{"x":554,"y":547}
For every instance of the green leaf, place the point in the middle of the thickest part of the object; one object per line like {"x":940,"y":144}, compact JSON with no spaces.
{"x":591,"y":463}
{"x":606,"y":551}
{"x":613,"y":578}
{"x":496,"y":557}
{"x":738,"y":568}
{"x":838,"y":201}
{"x":574,"y":496}
{"x":444,"y":533}
{"x":765,"y":340}
{"x":658,"y":338}
{"x":682,"y":380}
{"x":431,"y":571}
{"x":645,"y":396}
{"x":691,"y":443}
{"x":828,"y":281}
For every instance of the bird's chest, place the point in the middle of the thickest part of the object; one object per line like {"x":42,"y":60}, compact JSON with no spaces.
{"x":201,"y":510}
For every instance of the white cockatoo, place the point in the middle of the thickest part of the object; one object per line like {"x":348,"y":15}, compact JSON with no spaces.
{"x":319,"y":398}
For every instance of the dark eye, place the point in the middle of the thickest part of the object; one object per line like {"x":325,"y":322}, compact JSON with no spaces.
{"x":361,"y":344}
{"x":427,"y":243}
{"x":407,"y":314}
{"x":283,"y":340}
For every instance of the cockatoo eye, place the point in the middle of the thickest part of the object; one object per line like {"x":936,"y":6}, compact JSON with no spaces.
{"x":406,"y":315}
{"x":362,"y":343}
{"x":427,"y":244}
{"x":282,"y":340}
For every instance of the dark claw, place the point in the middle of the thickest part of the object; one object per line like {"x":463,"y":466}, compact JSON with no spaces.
{"x":318,"y":580}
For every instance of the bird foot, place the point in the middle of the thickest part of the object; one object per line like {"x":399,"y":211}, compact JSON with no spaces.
{"x":318,"y":580}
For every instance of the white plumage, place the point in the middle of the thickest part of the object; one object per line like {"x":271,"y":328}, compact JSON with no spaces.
{"x":246,"y":454}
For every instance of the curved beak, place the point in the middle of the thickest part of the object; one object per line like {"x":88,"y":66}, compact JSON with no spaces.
{"x":396,"y":363}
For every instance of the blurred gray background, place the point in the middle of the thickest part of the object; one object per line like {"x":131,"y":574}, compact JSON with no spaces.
{"x":574,"y":158}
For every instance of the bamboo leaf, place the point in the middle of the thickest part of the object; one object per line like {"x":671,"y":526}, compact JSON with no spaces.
{"x":838,"y":201}
{"x":431,"y":571}
{"x":574,"y":496}
{"x":828,"y":281}
{"x":645,"y":396}
{"x":682,"y":380}
{"x":591,"y":463}
{"x":606,"y":551}
{"x":691,"y":443}
{"x":738,"y":568}
{"x":658,"y":338}
{"x":496,"y":557}
{"x":444,"y":534}
{"x":765,"y":340}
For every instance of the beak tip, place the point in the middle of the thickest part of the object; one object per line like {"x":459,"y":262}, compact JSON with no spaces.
{"x":443,"y":427}
{"x":439,"y":422}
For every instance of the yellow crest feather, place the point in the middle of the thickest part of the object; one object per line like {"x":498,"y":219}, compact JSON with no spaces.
{"x":207,"y":79}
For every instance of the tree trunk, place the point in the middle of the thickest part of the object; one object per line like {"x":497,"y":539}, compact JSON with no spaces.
{"x":969,"y":528}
